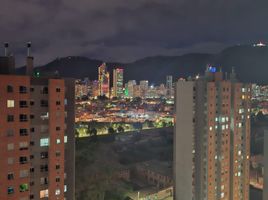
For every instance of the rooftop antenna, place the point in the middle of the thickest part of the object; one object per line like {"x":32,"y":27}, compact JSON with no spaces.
{"x":6,"y":48}
{"x":29,"y":45}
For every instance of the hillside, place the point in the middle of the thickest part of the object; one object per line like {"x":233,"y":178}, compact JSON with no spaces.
{"x":249,"y":62}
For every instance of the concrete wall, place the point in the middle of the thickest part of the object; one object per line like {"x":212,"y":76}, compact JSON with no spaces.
{"x":183,"y":140}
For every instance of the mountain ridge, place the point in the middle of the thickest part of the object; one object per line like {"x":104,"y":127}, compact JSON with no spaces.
{"x":250,"y":64}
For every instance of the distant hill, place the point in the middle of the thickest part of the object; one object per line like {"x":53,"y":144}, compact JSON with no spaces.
{"x":250,"y":63}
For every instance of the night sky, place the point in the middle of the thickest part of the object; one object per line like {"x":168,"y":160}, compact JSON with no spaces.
{"x":126,"y":30}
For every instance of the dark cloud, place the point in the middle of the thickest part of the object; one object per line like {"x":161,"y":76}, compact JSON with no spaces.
{"x":126,"y":30}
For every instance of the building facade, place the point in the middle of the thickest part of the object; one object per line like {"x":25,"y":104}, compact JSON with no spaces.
{"x":169,"y":86}
{"x":104,"y":81}
{"x":212,"y":138}
{"x":37,"y":132}
{"x":118,"y":81}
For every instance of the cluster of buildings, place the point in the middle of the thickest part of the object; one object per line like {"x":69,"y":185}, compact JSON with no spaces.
{"x":37,"y":132}
{"x":131,"y":89}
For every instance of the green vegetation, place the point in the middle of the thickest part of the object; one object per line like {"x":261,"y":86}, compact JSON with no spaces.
{"x":86,"y":129}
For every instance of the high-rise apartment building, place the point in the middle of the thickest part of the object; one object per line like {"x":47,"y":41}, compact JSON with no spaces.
{"x":212,"y":138}
{"x":144,"y":85}
{"x":104,"y":81}
{"x":130,"y":88}
{"x":37,"y":132}
{"x":169,"y":86}
{"x":118,"y":74}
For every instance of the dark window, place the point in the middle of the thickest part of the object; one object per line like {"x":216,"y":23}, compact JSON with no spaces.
{"x":31,"y":143}
{"x":31,"y":169}
{"x":57,"y":128}
{"x":31,"y":103}
{"x":44,"y":90}
{"x":57,"y":153}
{"x":31,"y":196}
{"x":44,"y":155}
{"x":31,"y":89}
{"x":57,"y":103}
{"x":31,"y":184}
{"x":23,"y":160}
{"x":31,"y":116}
{"x":10,"y":190}
{"x":32,"y":130}
{"x":57,"y":89}
{"x":31,"y":157}
{"x":57,"y":166}
{"x":44,"y":103}
{"x":43,"y":168}
{"x":23,"y":89}
{"x":10,"y":118}
{"x":23,"y":118}
{"x":9,"y":89}
{"x":10,"y":132}
{"x":57,"y":179}
{"x":10,"y":176}
{"x":23,"y":104}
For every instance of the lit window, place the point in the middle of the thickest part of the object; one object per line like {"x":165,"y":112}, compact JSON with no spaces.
{"x":23,"y":145}
{"x":210,"y":128}
{"x":239,"y":153}
{"x":44,"y":142}
{"x":240,"y":125}
{"x":44,"y":116}
{"x":216,"y":127}
{"x":227,"y":119}
{"x":10,"y":103}
{"x":24,"y":187}
{"x":10,"y":146}
{"x":239,"y":174}
{"x":57,"y":192}
{"x":43,"y":193}
{"x":65,"y":188}
{"x":222,"y":195}
{"x":223,"y":127}
{"x":65,"y":139}
{"x":58,"y":141}
{"x":223,"y":119}
{"x":216,"y":119}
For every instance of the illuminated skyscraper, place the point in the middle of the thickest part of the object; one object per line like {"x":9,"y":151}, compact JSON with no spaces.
{"x":169,"y":86}
{"x":104,"y":81}
{"x":212,"y":138}
{"x":130,"y":88}
{"x":144,"y":85}
{"x":118,"y":82}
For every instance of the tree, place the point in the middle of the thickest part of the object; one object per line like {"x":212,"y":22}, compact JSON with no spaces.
{"x":111,"y":130}
{"x":93,"y":132}
{"x":120,"y":129}
{"x":76,"y":133}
